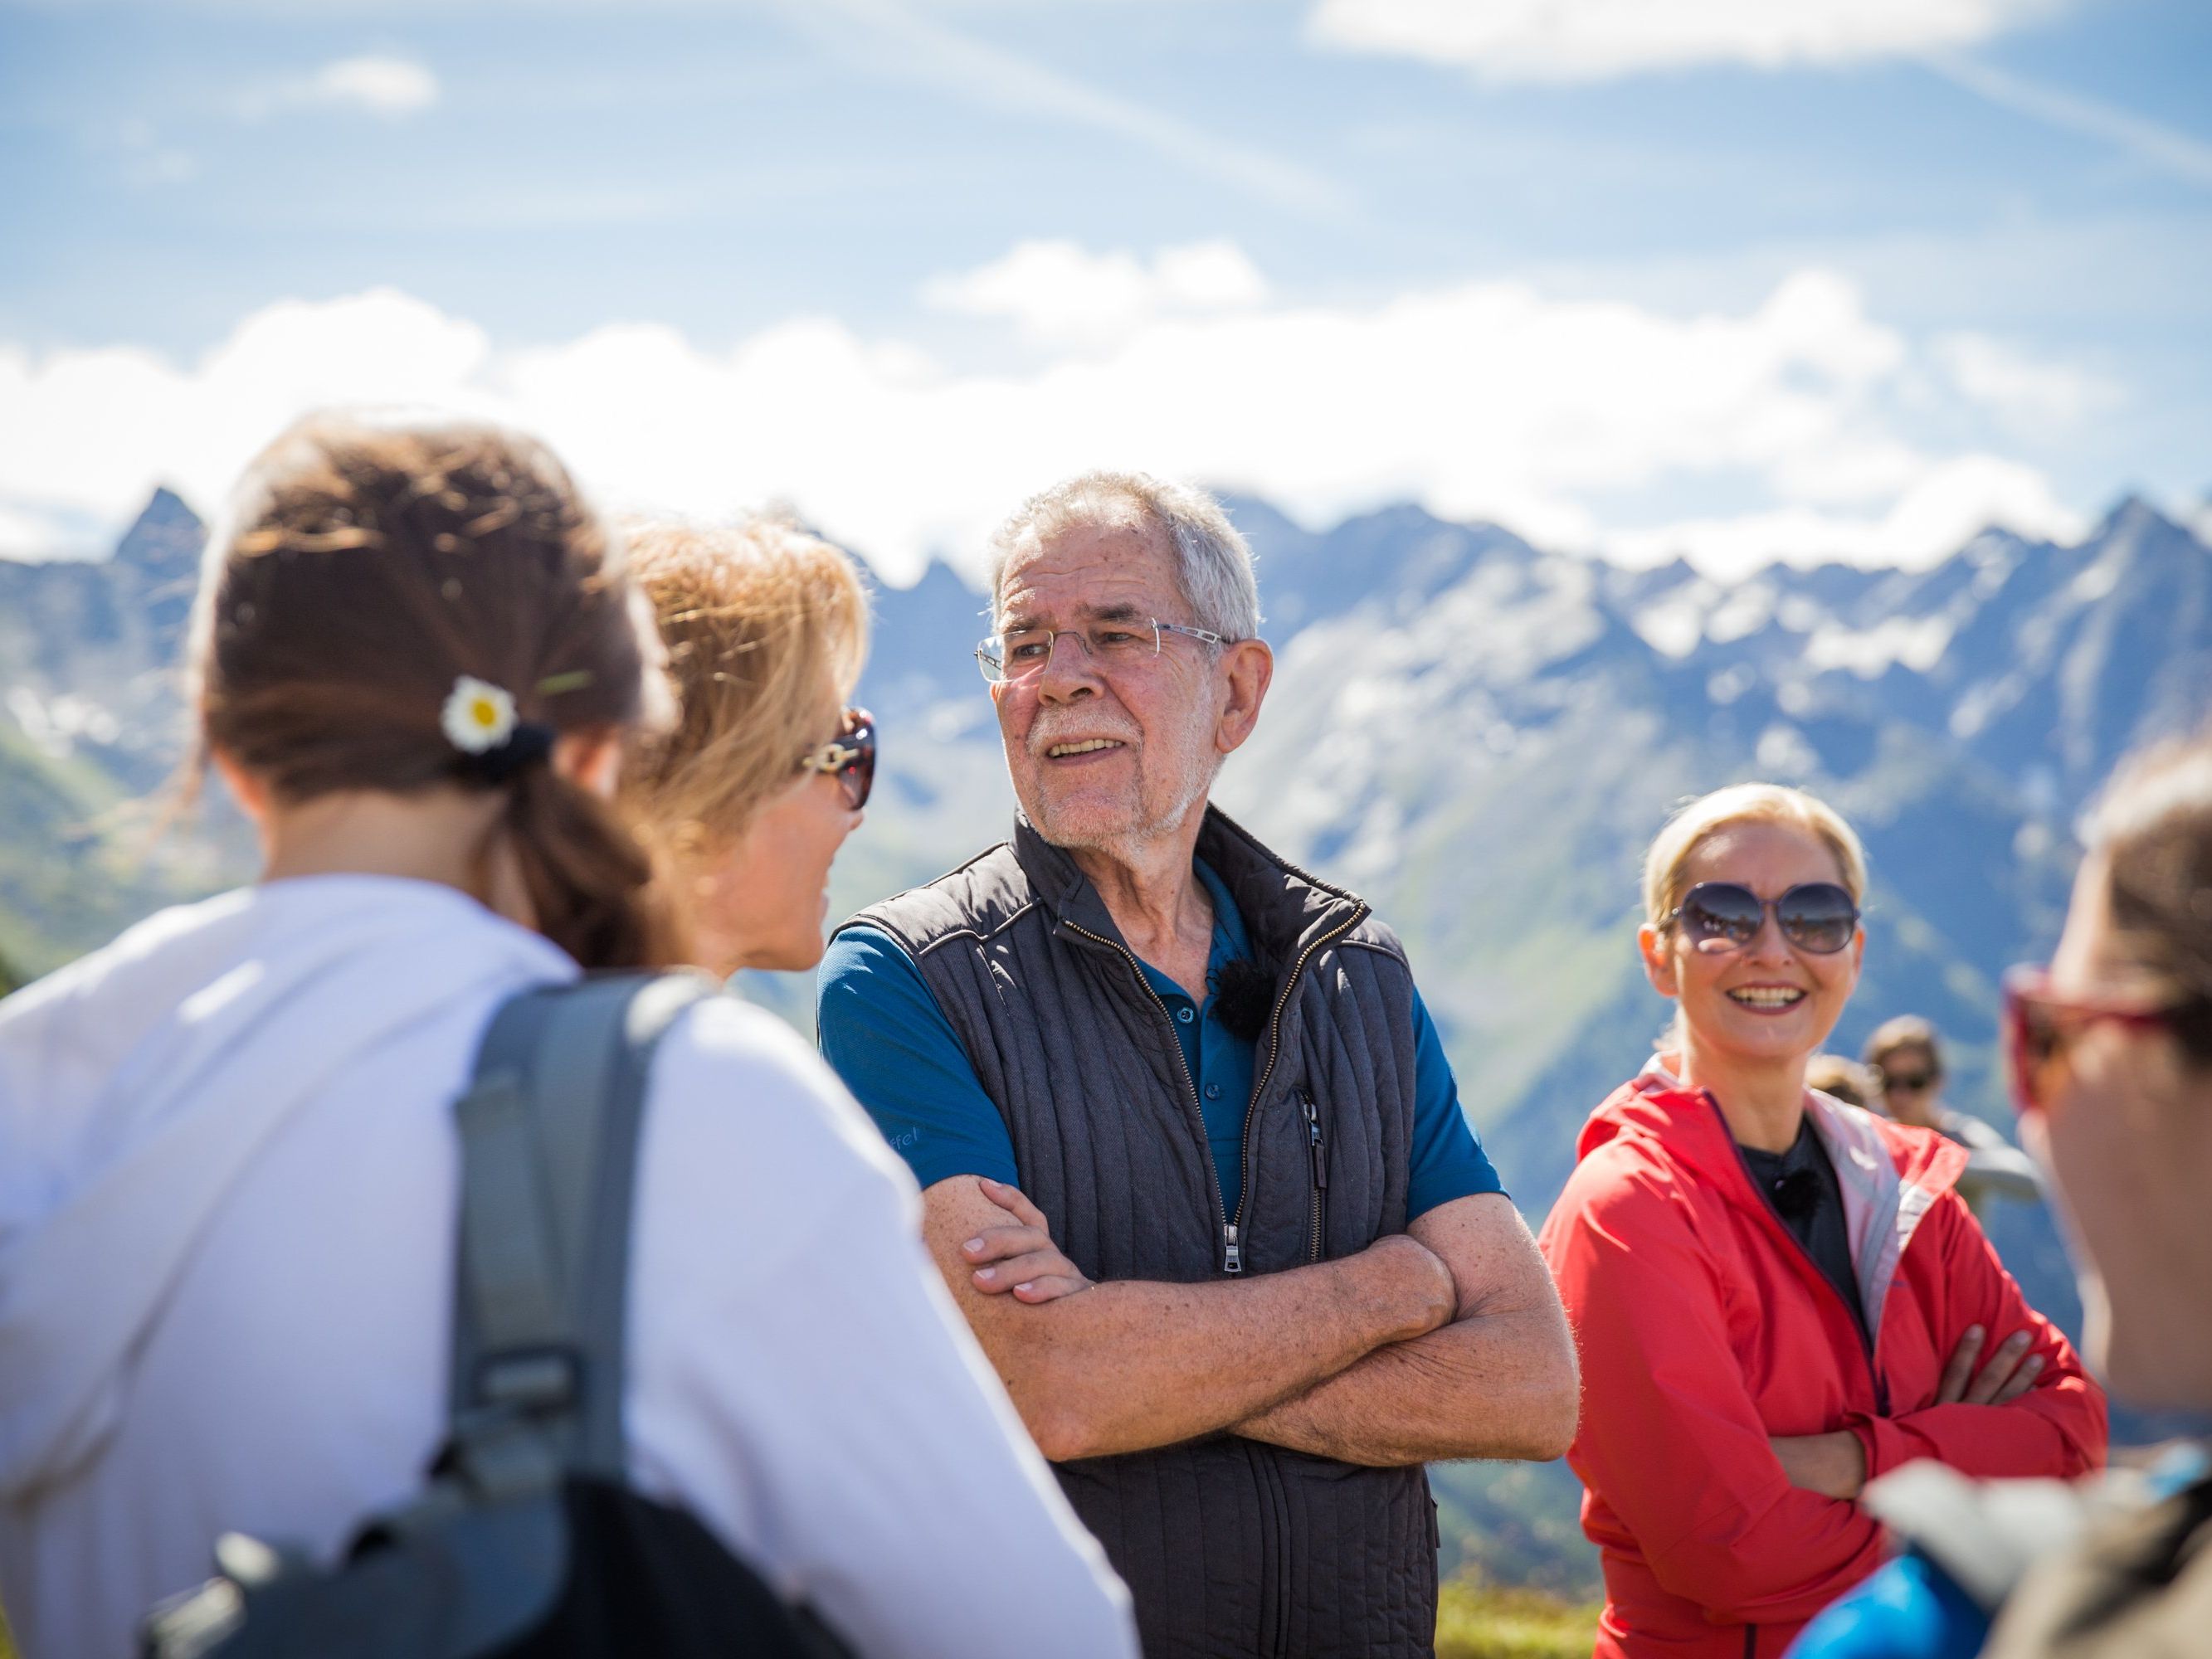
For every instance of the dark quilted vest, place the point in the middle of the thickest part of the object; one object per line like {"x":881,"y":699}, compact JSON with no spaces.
{"x":1230,"y":1547}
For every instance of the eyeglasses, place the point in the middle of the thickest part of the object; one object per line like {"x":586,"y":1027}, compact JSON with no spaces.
{"x":1007,"y":657}
{"x":851,"y":757}
{"x":2041,"y":1024}
{"x":1817,"y":916}
{"x":1906,"y":1083}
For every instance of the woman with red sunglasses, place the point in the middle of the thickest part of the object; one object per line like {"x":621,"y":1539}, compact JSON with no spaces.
{"x":2111,"y":1065}
{"x":1777,"y":1296}
{"x":757,"y":787}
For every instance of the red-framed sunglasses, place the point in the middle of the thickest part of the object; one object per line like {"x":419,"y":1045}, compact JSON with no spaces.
{"x":850,"y":757}
{"x":2039,"y":1024}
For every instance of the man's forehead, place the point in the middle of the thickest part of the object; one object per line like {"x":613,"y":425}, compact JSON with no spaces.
{"x":1090,"y":573}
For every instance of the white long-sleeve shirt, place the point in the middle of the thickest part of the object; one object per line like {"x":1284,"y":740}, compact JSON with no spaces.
{"x":229,"y":1178}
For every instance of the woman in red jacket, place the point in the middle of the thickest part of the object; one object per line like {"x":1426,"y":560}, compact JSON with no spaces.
{"x":1778,"y":1297}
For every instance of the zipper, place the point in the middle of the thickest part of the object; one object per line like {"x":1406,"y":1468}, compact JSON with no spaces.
{"x":1320,"y":1170}
{"x":1232,"y":1253}
{"x":1866,"y":1336}
{"x":1275,"y":1048}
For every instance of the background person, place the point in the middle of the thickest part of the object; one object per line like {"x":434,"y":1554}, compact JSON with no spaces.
{"x":1907,"y":1058}
{"x":1776,"y":1295}
{"x":229,"y":1174}
{"x":1841,"y":1079}
{"x":1214,"y":1076}
{"x":764,"y":774}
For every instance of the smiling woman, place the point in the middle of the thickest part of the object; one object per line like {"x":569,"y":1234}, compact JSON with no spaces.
{"x":764,"y":775}
{"x":1779,"y":1296}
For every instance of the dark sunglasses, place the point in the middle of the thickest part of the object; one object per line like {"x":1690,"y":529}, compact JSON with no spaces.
{"x":850,"y":757}
{"x":2040,"y":1025}
{"x":1817,"y":916}
{"x":1910,"y":1083}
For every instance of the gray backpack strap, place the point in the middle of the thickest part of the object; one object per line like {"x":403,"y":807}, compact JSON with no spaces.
{"x":549,"y":1159}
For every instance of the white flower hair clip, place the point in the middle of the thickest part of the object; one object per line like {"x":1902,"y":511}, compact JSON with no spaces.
{"x":478,"y":716}
{"x":479,"y":720}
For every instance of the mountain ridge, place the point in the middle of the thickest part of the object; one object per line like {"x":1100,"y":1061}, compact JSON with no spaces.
{"x":1478,"y":735}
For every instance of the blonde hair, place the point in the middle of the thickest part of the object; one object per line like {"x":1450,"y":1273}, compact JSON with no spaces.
{"x":1665,"y":864}
{"x":758,"y":619}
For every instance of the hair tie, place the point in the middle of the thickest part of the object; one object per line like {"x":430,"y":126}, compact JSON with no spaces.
{"x":479,"y":720}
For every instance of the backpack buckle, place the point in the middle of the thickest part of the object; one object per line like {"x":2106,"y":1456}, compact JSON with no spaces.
{"x":532,"y":1380}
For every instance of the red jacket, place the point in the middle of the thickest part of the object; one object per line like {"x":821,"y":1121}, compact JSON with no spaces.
{"x":1704,"y":1328}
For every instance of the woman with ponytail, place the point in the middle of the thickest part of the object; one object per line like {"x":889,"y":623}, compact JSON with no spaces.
{"x":228,"y":1172}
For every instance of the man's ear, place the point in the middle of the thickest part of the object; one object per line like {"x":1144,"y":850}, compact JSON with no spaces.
{"x":1251,"y":669}
{"x":1658,"y":961}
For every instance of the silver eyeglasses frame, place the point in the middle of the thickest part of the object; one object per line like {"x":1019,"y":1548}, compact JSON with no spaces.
{"x":990,"y":655}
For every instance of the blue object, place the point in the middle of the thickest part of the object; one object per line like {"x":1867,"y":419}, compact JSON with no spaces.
{"x":882,"y":1033}
{"x":1909,"y":1609}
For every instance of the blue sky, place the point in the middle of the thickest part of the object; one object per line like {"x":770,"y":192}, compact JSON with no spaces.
{"x":1841,"y":278}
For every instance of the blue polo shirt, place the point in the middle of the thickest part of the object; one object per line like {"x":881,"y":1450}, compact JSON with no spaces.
{"x":882,"y":1031}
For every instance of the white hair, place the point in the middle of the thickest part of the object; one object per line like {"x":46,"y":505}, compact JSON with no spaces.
{"x":1213,"y":567}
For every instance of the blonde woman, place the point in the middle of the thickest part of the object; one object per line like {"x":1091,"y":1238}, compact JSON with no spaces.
{"x":1777,"y":1296}
{"x":755,"y":789}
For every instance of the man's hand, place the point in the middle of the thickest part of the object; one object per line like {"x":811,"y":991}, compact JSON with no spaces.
{"x":1832,"y":1464}
{"x":1423,"y":1283}
{"x":2003,"y":1380}
{"x":1494,"y":1378}
{"x":1019,"y":1257}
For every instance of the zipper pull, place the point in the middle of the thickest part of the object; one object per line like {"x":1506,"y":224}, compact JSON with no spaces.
{"x":1232,"y":1258}
{"x":1313,"y":1140}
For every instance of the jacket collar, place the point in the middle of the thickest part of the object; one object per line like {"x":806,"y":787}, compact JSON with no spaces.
{"x":1284,"y":910}
{"x":1891,"y":1176}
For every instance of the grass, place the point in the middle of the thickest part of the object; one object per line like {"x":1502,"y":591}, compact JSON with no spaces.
{"x":1476,"y":1620}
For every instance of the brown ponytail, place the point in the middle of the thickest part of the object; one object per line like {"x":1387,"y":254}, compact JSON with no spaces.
{"x":366,"y":570}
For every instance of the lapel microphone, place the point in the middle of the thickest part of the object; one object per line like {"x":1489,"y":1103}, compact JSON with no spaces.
{"x":1243,"y":997}
{"x":1797,"y":1195}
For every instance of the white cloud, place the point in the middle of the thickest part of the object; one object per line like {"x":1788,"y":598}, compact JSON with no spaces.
{"x":2025,"y":392}
{"x":1486,"y":400}
{"x":1566,"y":40}
{"x":393,"y":88}
{"x":1057,"y":292}
{"x":90,"y":432}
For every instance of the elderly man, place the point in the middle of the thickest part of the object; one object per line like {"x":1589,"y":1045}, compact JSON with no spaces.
{"x":1230,"y":1119}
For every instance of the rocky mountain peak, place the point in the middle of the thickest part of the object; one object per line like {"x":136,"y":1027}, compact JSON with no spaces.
{"x":165,"y":539}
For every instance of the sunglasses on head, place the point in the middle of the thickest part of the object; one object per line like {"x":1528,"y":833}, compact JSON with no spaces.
{"x":2040,"y":1024}
{"x":850,"y":757}
{"x":1817,"y":916}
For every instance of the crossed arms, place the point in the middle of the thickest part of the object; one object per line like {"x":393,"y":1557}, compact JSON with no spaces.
{"x":1445,"y":1341}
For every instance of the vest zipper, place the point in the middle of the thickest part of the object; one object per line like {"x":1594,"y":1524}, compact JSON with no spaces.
{"x":1275,"y":1048}
{"x":1320,"y":1170}
{"x":1232,"y":1254}
{"x":1858,"y":1321}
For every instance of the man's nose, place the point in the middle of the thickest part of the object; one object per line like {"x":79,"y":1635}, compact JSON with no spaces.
{"x":1068,"y":672}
